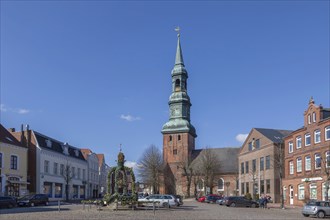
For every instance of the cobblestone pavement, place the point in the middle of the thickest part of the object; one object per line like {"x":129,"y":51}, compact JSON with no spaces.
{"x":190,"y":210}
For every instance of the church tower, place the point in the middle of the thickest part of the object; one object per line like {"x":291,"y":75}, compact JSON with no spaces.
{"x":178,"y":133}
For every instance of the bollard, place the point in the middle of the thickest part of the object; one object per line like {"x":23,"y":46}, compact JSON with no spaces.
{"x":59,"y":205}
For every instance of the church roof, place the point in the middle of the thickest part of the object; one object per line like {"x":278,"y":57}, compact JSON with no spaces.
{"x":228,"y":158}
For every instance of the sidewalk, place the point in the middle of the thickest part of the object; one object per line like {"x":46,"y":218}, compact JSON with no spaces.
{"x":278,"y":205}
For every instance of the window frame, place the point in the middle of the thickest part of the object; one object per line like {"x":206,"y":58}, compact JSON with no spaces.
{"x":262,"y":163}
{"x":317,"y":133}
{"x":307,"y":136}
{"x":327,"y":159}
{"x":299,"y":164}
{"x":317,"y":155}
{"x":298,"y":142}
{"x":291,"y":167}
{"x":46,"y":170}
{"x":14,"y":166}
{"x":327,"y":132}
{"x":290,"y":147}
{"x":314,"y":117}
{"x":301,"y":188}
{"x":268,"y":162}
{"x":309,"y":119}
{"x":309,"y":159}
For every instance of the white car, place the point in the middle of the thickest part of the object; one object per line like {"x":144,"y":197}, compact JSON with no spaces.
{"x":164,"y":200}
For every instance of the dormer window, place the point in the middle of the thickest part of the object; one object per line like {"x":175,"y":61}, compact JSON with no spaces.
{"x":76,"y":152}
{"x":48,"y":143}
{"x":177,"y":85}
{"x":65,"y":148}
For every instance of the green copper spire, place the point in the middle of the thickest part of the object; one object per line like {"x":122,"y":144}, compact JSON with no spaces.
{"x":179,"y":101}
{"x":179,"y":57}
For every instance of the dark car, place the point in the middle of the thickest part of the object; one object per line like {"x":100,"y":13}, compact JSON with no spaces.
{"x":7,"y":202}
{"x":239,"y":201}
{"x":212,"y":198}
{"x":32,"y":200}
{"x":179,"y":199}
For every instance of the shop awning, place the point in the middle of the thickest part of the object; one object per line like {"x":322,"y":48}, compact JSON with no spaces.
{"x":19,"y":182}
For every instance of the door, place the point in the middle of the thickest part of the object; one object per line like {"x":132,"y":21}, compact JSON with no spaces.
{"x":291,"y":195}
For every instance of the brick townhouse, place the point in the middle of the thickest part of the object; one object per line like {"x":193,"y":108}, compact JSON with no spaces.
{"x":307,"y":157}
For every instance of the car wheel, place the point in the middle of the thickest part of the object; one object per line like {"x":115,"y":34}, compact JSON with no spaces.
{"x":306,"y":215}
{"x":320,"y":214}
{"x":32,"y":204}
{"x":166,"y":205}
{"x":253,"y":205}
{"x":233,"y":205}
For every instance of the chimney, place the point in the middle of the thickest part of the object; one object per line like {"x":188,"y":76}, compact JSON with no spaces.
{"x":22,"y":135}
{"x":28,"y":136}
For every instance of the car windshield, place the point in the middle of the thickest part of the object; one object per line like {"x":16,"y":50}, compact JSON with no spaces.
{"x":26,"y":197}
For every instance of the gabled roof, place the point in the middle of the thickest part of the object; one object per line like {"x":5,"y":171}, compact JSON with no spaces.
{"x":8,"y":138}
{"x":57,"y":146}
{"x":275,"y":135}
{"x":228,"y":158}
{"x":101,"y":159}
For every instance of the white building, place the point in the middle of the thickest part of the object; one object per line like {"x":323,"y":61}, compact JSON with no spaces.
{"x":93,"y":180}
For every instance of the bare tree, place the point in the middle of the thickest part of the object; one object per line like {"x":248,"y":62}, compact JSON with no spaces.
{"x":255,"y":178}
{"x":151,"y":167}
{"x":67,"y":175}
{"x":208,"y":165}
{"x":279,"y":166}
{"x":325,"y":159}
{"x":187,"y":171}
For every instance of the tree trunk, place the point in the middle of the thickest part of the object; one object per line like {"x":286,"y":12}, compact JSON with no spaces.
{"x":67,"y":192}
{"x":281,"y":193}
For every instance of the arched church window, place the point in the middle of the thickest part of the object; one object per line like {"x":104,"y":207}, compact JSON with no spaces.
{"x":170,"y":138}
{"x":220,"y":184}
{"x":177,"y":85}
{"x":179,"y":137}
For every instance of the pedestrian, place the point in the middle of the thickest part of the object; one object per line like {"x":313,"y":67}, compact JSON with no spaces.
{"x":265,"y":202}
{"x":261,"y":201}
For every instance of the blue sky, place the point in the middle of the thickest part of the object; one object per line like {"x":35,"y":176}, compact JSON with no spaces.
{"x":97,"y":74}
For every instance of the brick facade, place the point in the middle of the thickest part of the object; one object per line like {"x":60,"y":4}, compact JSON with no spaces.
{"x":306,"y":157}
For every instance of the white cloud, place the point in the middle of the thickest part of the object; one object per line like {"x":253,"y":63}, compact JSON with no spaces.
{"x":129,"y":118}
{"x":131,"y":164}
{"x":241,"y":137}
{"x":23,"y":111}
{"x":3,"y":108}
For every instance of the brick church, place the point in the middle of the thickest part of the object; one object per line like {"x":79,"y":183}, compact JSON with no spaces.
{"x":179,"y":143}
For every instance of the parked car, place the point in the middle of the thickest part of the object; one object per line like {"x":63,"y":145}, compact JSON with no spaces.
{"x":32,"y":200}
{"x":239,"y":201}
{"x":7,"y":202}
{"x":221,"y":201}
{"x":164,"y":200}
{"x":201,"y":199}
{"x":212,"y":198}
{"x":179,"y":199}
{"x":316,"y":208}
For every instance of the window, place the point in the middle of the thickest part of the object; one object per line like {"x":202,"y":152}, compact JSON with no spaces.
{"x":307,"y":139}
{"x":290,"y":147}
{"x":324,"y":191}
{"x":267,"y":162}
{"x":242,"y":189}
{"x":301,"y":192}
{"x":84,"y":174}
{"x":309,"y":119}
{"x":314,"y":117}
{"x":0,"y":160}
{"x":46,"y":166}
{"x":177,"y":85}
{"x":170,"y":138}
{"x":55,"y":168}
{"x":327,"y":133}
{"x":247,"y":187}
{"x":327,"y":157}
{"x":313,"y":191}
{"x":317,"y":136}
{"x":299,"y":165}
{"x":308,"y":165}
{"x":317,"y":161}
{"x":242,"y":168}
{"x":257,"y":144}
{"x":298,"y":142}
{"x":175,"y":152}
{"x":78,"y":173}
{"x":179,"y":137}
{"x":267,"y":186}
{"x":62,"y":169}
{"x":247,"y":167}
{"x":220,"y":184}
{"x":262,"y":163}
{"x":262,"y":186}
{"x":73,"y":173}
{"x":13,"y":162}
{"x":284,"y":193}
{"x":250,"y":146}
{"x":254,"y":165}
{"x":291,"y":167}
